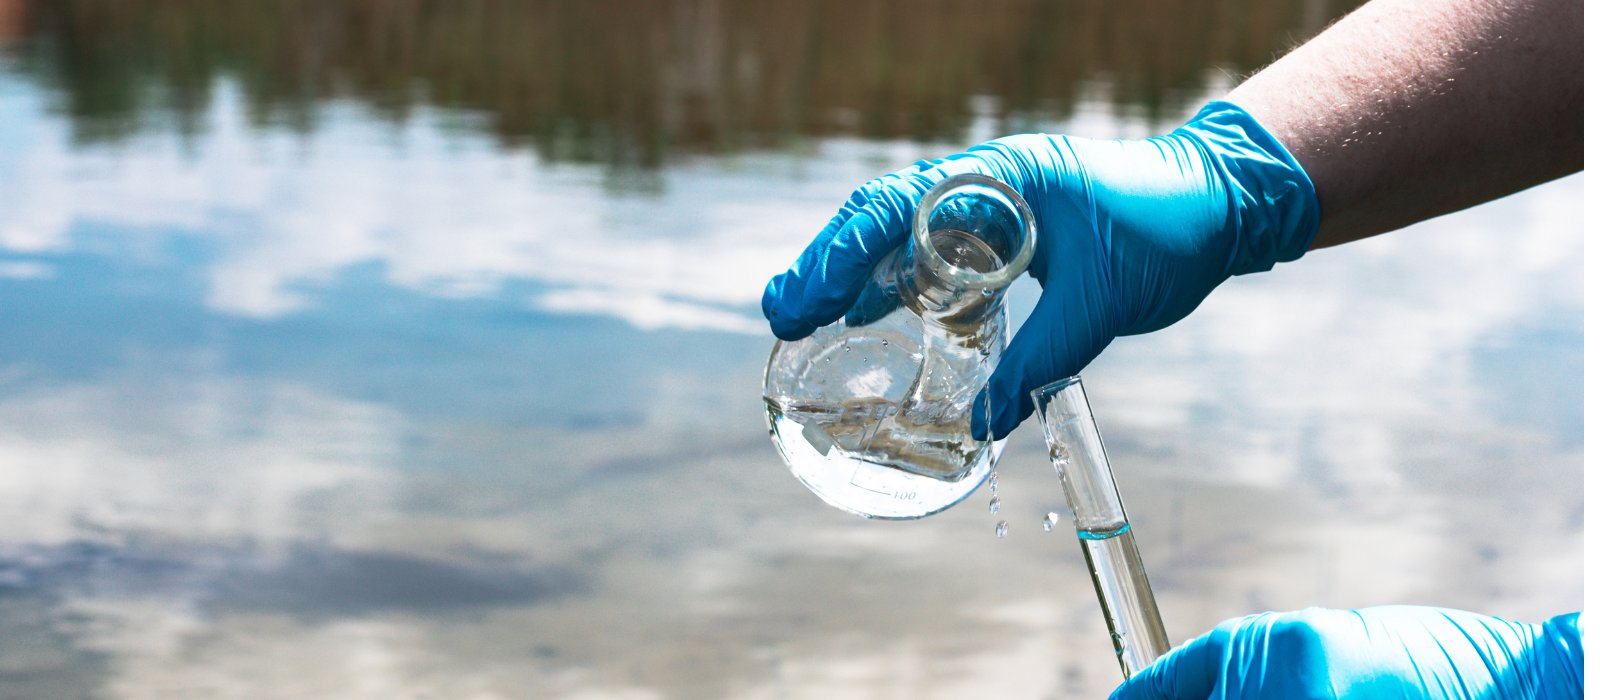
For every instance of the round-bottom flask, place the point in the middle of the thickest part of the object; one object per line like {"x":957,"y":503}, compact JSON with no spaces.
{"x":873,"y":412}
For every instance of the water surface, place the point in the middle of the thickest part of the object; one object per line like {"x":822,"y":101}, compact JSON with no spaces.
{"x":365,"y":355}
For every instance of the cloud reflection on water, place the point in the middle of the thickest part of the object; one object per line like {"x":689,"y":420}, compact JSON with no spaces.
{"x":446,"y":213}
{"x":251,"y":372}
{"x":157,"y":458}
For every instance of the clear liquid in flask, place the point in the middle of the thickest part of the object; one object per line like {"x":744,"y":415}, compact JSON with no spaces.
{"x":889,"y":433}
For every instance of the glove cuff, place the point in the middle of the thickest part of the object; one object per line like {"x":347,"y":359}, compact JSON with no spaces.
{"x":1272,"y":201}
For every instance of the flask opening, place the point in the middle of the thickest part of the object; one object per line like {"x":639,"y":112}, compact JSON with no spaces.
{"x":973,"y":232}
{"x":965,"y":251}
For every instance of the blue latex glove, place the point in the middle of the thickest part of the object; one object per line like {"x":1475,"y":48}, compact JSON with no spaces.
{"x":1132,"y":235}
{"x":1388,"y":653}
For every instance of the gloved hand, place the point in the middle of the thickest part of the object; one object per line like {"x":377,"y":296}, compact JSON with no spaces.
{"x":1389,"y":652}
{"x":1132,"y":235}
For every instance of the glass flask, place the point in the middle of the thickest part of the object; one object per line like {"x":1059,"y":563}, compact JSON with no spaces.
{"x":873,"y":412}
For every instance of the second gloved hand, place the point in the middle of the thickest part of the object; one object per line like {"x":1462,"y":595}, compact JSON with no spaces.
{"x":1132,"y":236}
{"x":1393,"y":651}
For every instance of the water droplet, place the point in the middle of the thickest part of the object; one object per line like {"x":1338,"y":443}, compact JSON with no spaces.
{"x":988,"y":292}
{"x":1050,"y":520}
{"x":994,"y":481}
{"x":1000,"y":529}
{"x":847,"y":348}
{"x":827,"y":359}
{"x":994,"y":505}
{"x":886,"y":343}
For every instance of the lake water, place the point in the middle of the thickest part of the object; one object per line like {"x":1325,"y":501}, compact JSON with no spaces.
{"x":411,"y":375}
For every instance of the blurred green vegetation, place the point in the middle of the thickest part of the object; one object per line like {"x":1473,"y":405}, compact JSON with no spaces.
{"x":634,"y":81}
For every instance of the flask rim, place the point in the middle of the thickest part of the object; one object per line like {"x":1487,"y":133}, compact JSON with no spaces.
{"x":922,"y":242}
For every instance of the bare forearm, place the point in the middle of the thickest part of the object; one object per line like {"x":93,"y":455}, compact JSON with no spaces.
{"x":1409,"y":109}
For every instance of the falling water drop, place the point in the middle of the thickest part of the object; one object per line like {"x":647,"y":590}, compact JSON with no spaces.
{"x":1050,"y":520}
{"x":1000,"y":529}
{"x":994,"y":505}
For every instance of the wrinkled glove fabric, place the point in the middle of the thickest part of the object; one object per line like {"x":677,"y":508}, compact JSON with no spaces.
{"x":1397,"y":652}
{"x":1133,"y":234}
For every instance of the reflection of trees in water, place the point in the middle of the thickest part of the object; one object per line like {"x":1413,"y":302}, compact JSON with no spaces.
{"x":630,"y":80}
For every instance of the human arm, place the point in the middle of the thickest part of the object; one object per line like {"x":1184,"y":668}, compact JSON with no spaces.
{"x":1409,"y":109}
{"x":1395,"y":651}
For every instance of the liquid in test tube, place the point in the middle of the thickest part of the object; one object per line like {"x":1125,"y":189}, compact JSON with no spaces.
{"x":1079,"y":458}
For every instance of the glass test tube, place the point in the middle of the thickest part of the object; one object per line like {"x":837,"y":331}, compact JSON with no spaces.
{"x":1137,"y":634}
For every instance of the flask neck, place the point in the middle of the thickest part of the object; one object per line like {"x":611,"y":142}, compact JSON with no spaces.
{"x":971,"y":237}
{"x":952,"y":304}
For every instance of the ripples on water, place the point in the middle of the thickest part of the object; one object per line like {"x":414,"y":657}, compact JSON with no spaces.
{"x":353,"y":351}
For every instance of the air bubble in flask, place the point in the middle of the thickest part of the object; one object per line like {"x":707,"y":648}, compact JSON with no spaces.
{"x":1050,"y":520}
{"x":886,"y":343}
{"x":1000,"y":529}
{"x":994,"y":505}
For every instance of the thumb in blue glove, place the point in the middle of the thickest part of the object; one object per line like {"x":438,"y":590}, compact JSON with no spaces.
{"x":1132,"y":236}
{"x":1394,"y":651}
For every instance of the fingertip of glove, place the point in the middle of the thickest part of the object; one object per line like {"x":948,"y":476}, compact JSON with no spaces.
{"x":819,"y":317}
{"x":778,"y":306}
{"x":787,"y":325}
{"x":1013,"y":382}
{"x":791,"y":333}
{"x":769,"y":297}
{"x":1006,"y":414}
{"x":980,"y":420}
{"x":1014,"y":418}
{"x":825,"y":303}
